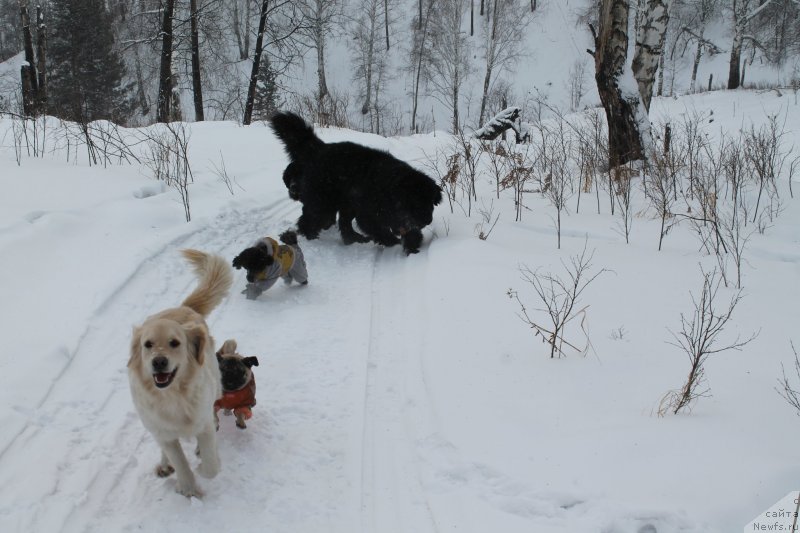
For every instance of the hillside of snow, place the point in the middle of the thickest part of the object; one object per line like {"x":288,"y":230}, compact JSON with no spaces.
{"x":396,"y":394}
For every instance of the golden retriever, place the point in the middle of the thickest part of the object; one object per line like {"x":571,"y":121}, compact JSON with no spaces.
{"x":174,"y":375}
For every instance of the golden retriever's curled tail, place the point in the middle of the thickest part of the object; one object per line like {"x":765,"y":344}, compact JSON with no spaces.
{"x":216,"y":279}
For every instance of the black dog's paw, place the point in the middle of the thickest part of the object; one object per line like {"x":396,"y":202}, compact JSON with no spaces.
{"x":387,"y":240}
{"x":412,"y":241}
{"x":350,"y":238}
{"x":309,"y":234}
{"x":288,"y":237}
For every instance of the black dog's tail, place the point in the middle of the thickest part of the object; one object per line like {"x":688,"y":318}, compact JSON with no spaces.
{"x":296,"y":135}
{"x":289,"y":237}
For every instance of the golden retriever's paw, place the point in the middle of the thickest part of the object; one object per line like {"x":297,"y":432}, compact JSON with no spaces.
{"x":189,"y":490}
{"x":208,"y":469}
{"x":164,"y":470}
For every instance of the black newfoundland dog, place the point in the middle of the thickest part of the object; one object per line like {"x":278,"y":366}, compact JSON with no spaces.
{"x":389,"y":199}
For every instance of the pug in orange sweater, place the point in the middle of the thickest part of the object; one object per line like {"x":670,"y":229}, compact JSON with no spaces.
{"x":238,"y":384}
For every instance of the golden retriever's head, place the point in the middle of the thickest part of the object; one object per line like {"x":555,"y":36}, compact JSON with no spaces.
{"x":164,"y":351}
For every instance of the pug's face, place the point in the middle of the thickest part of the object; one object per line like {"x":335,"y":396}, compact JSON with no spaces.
{"x":235,"y":369}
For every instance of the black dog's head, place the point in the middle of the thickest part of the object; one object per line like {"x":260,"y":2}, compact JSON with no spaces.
{"x":235,"y":369}
{"x":414,"y":211}
{"x":254,"y":260}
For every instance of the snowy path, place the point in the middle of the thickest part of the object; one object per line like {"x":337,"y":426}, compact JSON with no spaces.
{"x":333,"y":406}
{"x":394,"y":498}
{"x":346,"y":437}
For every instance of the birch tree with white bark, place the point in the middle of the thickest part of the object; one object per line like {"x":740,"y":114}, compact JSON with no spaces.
{"x":626,"y":92}
{"x":616,"y":86}
{"x":652,"y":28}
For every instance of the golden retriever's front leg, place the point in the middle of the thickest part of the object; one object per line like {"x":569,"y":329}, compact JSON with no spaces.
{"x":164,"y":469}
{"x":207,"y":450}
{"x":174,"y":453}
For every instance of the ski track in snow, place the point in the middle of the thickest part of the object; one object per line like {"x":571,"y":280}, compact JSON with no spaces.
{"x":393,"y":499}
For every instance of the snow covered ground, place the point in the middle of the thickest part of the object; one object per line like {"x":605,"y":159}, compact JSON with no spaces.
{"x":396,"y":394}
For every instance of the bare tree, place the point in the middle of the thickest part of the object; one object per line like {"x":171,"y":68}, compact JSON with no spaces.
{"x":742,"y":13}
{"x":449,"y":65}
{"x":504,"y":31}
{"x":33,"y":72}
{"x":698,"y":339}
{"x":370,"y":59}
{"x":251,"y":90}
{"x":560,"y":297}
{"x":763,"y":149}
{"x":469,"y":155}
{"x":240,"y":23}
{"x":197,"y":85}
{"x":167,"y":158}
{"x":576,"y":84}
{"x":165,"y":85}
{"x":787,"y":389}
{"x":420,"y":56}
{"x":663,"y":182}
{"x":697,"y":15}
{"x":555,"y":150}
{"x":323,"y":18}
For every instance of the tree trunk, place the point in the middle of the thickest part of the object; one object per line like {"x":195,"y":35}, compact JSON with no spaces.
{"x":30,"y":85}
{"x":319,"y":43}
{"x":697,"y":56}
{"x":237,"y":31}
{"x":247,"y":29}
{"x":418,"y":73}
{"x":251,"y":89}
{"x":611,"y":49}
{"x":471,"y":17}
{"x":165,"y":74}
{"x":734,"y":72}
{"x":196,"y":83}
{"x":742,"y":15}
{"x":368,"y":68}
{"x":455,"y":101}
{"x":140,"y":90}
{"x":386,"y":21}
{"x":41,"y":64}
{"x":489,"y":64}
{"x":653,"y":19}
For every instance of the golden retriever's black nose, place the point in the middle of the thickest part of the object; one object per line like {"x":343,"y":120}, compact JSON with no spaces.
{"x":160,"y":364}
